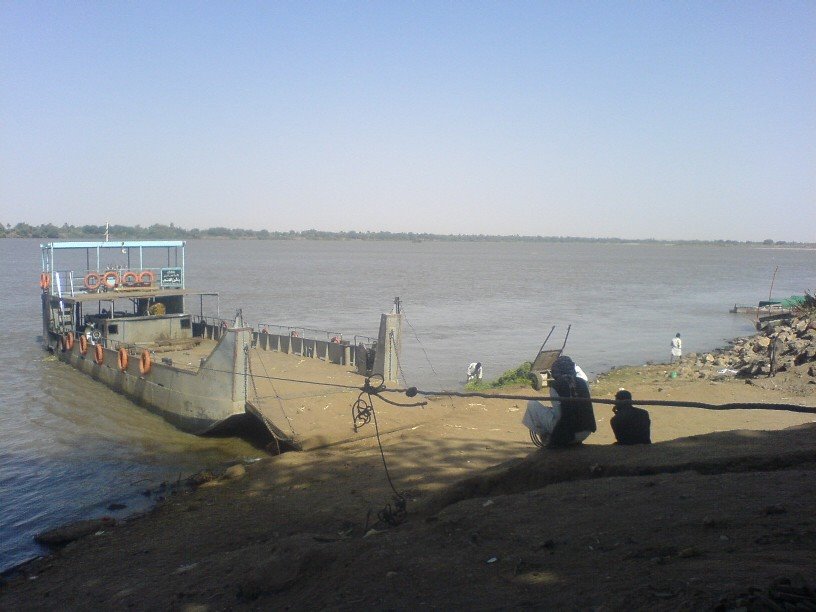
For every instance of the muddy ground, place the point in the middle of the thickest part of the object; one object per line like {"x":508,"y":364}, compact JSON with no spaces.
{"x":720,"y":504}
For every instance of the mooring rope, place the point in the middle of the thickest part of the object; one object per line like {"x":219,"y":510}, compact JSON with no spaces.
{"x":362,"y":413}
{"x":277,"y":396}
{"x":413,"y":392}
{"x":422,"y":346}
{"x":285,"y":379}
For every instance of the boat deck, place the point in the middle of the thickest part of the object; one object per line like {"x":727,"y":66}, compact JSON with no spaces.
{"x":185,"y":355}
{"x":306,"y":399}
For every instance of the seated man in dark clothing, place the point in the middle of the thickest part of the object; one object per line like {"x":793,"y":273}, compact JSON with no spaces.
{"x":630,"y":424}
{"x":568,"y":421}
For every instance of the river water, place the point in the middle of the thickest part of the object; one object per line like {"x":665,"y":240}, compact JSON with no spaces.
{"x":69,"y":447}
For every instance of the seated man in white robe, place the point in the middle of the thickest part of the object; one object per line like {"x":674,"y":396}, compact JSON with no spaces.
{"x":565,"y":422}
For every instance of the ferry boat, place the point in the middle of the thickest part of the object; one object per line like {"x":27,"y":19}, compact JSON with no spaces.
{"x":117,"y":311}
{"x":111,"y":309}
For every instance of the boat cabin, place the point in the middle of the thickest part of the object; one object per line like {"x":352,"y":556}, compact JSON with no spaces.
{"x":117,"y":293}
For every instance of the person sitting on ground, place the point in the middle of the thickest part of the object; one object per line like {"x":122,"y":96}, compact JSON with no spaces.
{"x":630,"y":424}
{"x":569,"y":421}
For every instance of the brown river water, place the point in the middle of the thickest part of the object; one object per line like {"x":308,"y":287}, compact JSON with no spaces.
{"x":69,"y":447}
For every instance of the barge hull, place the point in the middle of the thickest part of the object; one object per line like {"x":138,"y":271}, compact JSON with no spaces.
{"x":194,"y":401}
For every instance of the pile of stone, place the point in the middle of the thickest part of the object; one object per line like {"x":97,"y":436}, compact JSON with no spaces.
{"x":787,"y":348}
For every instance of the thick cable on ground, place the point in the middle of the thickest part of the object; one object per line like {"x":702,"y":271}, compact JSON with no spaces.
{"x":413,"y":392}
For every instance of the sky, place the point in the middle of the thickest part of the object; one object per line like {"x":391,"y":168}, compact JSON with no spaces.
{"x":666,"y":120}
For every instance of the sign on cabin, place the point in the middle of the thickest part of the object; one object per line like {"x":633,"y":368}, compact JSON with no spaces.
{"x":170,"y":277}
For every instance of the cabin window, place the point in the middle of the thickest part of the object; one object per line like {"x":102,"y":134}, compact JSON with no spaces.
{"x":113,"y":330}
{"x":185,"y":323}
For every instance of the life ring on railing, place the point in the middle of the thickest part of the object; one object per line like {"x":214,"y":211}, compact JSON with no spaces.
{"x":69,"y":340}
{"x":122,"y":359}
{"x":145,"y":363}
{"x":146,"y":278}
{"x":335,"y":340}
{"x":83,"y":344}
{"x":110,"y":279}
{"x":99,"y":354}
{"x":130,"y":279}
{"x":45,"y":281}
{"x":92,"y":281}
{"x":294,"y":334}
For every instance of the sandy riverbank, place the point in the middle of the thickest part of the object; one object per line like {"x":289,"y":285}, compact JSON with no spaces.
{"x":492,"y":522}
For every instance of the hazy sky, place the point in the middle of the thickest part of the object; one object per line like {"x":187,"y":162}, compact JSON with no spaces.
{"x":692,"y":120}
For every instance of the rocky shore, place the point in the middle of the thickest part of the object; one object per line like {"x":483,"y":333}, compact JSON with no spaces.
{"x":787,"y":349}
{"x":716,"y":514}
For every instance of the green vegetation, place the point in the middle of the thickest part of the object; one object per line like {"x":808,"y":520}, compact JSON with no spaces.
{"x":517,"y":377}
{"x":172,"y":232}
{"x":808,"y":305}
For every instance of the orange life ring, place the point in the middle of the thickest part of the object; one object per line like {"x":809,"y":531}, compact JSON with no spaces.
{"x":122,"y":359}
{"x":69,"y":340}
{"x":146,"y":278}
{"x":83,"y":344}
{"x":45,"y":280}
{"x":130,"y":279}
{"x":99,"y":354}
{"x":145,"y":363}
{"x":110,"y":279}
{"x":92,"y":281}
{"x":336,"y":340}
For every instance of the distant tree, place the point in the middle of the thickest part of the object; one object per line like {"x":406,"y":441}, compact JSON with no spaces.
{"x":47,"y":231}
{"x":23,"y":230}
{"x":767,"y":241}
{"x":93,"y":230}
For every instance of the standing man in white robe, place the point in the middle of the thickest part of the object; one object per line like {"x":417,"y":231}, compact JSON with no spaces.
{"x":676,"y":348}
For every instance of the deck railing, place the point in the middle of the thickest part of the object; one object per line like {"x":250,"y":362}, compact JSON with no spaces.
{"x":70,"y":283}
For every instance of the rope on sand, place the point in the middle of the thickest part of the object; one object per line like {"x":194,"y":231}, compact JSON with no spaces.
{"x":362,"y":413}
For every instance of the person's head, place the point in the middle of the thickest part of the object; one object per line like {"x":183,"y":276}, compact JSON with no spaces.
{"x":677,"y":335}
{"x":623,"y":399}
{"x":563,"y":366}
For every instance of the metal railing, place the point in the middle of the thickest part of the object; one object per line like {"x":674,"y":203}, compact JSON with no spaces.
{"x":299,"y":332}
{"x":71,"y":283}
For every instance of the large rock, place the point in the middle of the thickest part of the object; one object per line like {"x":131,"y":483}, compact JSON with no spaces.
{"x":235,"y":472}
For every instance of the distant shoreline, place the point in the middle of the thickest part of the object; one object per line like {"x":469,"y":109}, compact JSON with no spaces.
{"x":171,"y":232}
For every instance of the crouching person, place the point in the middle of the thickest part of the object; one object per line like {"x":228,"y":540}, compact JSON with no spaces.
{"x":630,"y":424}
{"x":570,"y":419}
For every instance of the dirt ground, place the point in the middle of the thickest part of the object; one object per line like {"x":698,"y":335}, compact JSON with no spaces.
{"x":717,"y":512}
